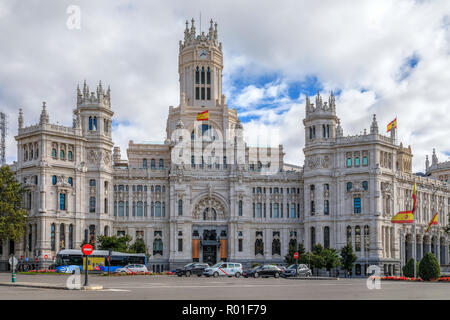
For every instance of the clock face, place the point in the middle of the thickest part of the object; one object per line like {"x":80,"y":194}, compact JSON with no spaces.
{"x":203,"y":54}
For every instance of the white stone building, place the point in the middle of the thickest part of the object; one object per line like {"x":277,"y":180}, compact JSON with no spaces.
{"x":205,"y":195}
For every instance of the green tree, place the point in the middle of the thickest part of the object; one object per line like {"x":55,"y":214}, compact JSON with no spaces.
{"x":120,"y":244}
{"x":348,"y":258}
{"x":408,"y":268}
{"x":138,"y":247}
{"x":331,"y":259}
{"x":429,"y":267}
{"x":317,"y":259}
{"x":289,"y":258}
{"x":13,"y":217}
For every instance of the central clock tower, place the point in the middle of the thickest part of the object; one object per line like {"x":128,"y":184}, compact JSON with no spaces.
{"x":200,"y":65}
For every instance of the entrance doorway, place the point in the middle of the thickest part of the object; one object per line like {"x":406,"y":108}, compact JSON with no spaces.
{"x":210,"y":254}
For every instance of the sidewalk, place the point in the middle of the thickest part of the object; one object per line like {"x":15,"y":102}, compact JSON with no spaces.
{"x":47,"y":286}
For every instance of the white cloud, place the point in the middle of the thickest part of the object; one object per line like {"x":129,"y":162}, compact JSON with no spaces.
{"x":133,"y":46}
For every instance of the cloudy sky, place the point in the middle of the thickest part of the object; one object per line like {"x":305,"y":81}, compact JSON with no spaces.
{"x":386,"y":57}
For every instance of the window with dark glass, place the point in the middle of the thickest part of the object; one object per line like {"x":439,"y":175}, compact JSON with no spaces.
{"x":357,"y":205}
{"x":365,"y":185}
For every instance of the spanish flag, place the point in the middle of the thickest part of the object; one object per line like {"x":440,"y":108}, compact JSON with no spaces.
{"x":202,"y":116}
{"x":406,"y":216}
{"x":392,"y":124}
{"x":434,"y":221}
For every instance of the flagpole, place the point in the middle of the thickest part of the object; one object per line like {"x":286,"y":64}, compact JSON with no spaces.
{"x":415,"y":244}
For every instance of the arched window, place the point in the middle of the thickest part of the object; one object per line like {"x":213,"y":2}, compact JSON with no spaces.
{"x":52,"y":237}
{"x":153,"y":164}
{"x":70,"y":236}
{"x":349,"y":235}
{"x":54,"y":153}
{"x":92,"y":204}
{"x":365,"y":185}
{"x":90,"y":124}
{"x":365,"y":161}
{"x":61,"y":154}
{"x":62,"y":201}
{"x":326,"y":237}
{"x":313,"y":237}
{"x":161,"y":163}
{"x":144,"y":163}
{"x":357,"y":162}
{"x":140,"y":209}
{"x":53,"y":180}
{"x":62,"y":236}
{"x":158,"y":209}
{"x":180,"y":207}
{"x":70,"y":156}
{"x":366,"y":238}
{"x":95,"y":124}
{"x":106,"y":231}
{"x":349,"y":186}
{"x":357,"y":238}
{"x":259,"y":247}
{"x":157,"y":247}
{"x":158,"y":189}
{"x":275,"y":210}
{"x":197,"y":76}
{"x":208,"y":76}
{"x":121,"y":208}
{"x":276,"y":246}
{"x":349,"y":162}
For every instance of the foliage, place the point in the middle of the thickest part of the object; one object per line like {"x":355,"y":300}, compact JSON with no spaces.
{"x":120,"y":244}
{"x":13,"y":216}
{"x":331,"y":259}
{"x":348,"y":258}
{"x":429,"y":267}
{"x":289,"y":258}
{"x":408,"y":268}
{"x":138,"y":247}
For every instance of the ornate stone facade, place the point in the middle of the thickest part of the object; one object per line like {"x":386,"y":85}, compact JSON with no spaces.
{"x":204,"y":195}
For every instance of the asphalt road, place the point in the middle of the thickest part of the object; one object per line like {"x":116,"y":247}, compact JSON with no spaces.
{"x":194,"y":288}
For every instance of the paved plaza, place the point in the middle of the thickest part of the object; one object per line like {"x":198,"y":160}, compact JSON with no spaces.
{"x":194,"y":288}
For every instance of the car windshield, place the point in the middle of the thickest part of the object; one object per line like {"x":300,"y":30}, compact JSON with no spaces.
{"x":189,"y":264}
{"x":292,"y":266}
{"x":217,"y":265}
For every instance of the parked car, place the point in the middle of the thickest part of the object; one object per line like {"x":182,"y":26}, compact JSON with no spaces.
{"x":268,"y":271}
{"x":224,"y":269}
{"x":191,"y":269}
{"x":302,"y":271}
{"x":250,"y":271}
{"x":132,"y":268}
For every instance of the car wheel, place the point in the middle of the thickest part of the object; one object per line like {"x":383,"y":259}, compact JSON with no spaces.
{"x":179,"y":275}
{"x":237,"y":275}
{"x":276,"y":275}
{"x":216,"y":274}
{"x":199,"y":275}
{"x":256,"y":275}
{"x":188,"y":273}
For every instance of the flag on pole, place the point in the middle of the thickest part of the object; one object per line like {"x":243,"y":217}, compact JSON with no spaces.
{"x":406,"y":216}
{"x":202,"y":116}
{"x":392,"y":124}
{"x":434,"y":221}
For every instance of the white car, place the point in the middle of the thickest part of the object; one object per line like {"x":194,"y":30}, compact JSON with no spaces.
{"x":132,"y":268}
{"x":224,"y":269}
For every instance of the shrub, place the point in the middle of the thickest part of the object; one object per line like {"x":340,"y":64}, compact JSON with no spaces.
{"x":429,"y":267}
{"x":408,"y":268}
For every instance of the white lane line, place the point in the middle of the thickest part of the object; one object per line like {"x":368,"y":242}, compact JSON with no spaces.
{"x":116,"y":290}
{"x":224,"y":286}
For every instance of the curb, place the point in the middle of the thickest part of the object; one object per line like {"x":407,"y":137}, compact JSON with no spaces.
{"x":48,"y":286}
{"x":312,"y":278}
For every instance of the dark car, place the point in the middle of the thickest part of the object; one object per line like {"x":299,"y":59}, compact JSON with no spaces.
{"x":191,"y":268}
{"x":264,"y":271}
{"x":249,"y":272}
{"x":302,"y":271}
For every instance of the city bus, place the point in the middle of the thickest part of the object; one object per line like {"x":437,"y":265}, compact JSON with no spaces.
{"x":68,"y":260}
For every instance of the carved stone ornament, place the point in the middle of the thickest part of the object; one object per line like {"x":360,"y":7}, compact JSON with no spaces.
{"x":207,"y":203}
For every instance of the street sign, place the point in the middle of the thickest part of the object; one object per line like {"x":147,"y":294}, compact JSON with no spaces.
{"x":296,"y":255}
{"x":46,"y":257}
{"x":87,"y":249}
{"x":36,"y":260}
{"x":11,"y":261}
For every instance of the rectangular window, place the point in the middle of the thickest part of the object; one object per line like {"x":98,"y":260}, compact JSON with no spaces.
{"x":197,"y":93}
{"x":253,"y":209}
{"x":180,"y":245}
{"x":62,"y":201}
{"x":203,"y":93}
{"x":357,"y":205}
{"x":313,"y":208}
{"x":349,"y":162}
{"x":258,"y":210}
{"x":240,"y":245}
{"x":208,"y":93}
{"x":326,"y":206}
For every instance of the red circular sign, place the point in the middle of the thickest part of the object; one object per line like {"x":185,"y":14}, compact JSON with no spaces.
{"x":296,"y":255}
{"x":87,"y":249}
{"x":46,"y":257}
{"x":37,"y":260}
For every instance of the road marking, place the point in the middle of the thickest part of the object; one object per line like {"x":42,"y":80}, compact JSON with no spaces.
{"x":116,"y":290}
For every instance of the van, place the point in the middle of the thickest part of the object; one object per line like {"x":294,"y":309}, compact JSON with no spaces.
{"x":224,"y":269}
